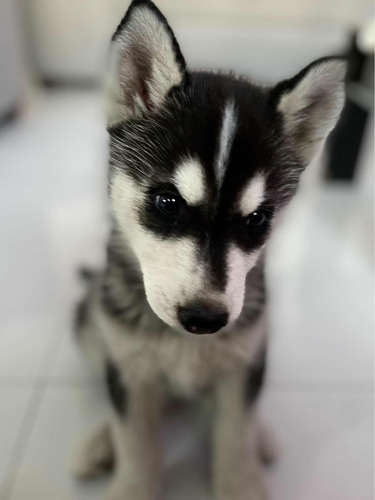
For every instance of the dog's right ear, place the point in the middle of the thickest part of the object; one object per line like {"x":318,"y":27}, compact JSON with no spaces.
{"x":146,"y":63}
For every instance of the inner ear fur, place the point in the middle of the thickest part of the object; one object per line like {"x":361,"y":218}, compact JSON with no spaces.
{"x":310,"y":104}
{"x":145,"y":62}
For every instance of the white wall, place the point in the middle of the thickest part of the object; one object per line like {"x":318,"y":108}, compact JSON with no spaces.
{"x":335,"y":11}
{"x":267,"y":39}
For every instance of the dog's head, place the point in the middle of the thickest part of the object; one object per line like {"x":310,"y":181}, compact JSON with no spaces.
{"x":201,"y":163}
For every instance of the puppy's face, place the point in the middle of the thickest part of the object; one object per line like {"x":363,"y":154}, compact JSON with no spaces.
{"x":201,"y":163}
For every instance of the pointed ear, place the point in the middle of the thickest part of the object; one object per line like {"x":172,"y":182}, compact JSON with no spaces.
{"x":146,"y":62}
{"x":310,"y":104}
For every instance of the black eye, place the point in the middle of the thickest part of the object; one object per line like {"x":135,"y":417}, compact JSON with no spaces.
{"x":168,"y":204}
{"x":256,"y":220}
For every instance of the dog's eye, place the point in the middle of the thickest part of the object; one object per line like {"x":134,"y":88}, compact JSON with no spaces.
{"x":256,"y":220}
{"x":168,"y":204}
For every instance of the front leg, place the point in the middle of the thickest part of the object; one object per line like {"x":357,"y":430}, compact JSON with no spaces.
{"x":237,"y":472}
{"x":135,"y":434}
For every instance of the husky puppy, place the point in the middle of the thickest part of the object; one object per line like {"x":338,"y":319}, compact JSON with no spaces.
{"x":200,"y":165}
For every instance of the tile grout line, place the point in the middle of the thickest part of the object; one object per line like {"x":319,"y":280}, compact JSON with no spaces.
{"x":38,"y":392}
{"x":307,"y":386}
{"x":54,"y":382}
{"x":23,"y":437}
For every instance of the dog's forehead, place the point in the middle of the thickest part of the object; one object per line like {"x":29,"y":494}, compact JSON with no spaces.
{"x":226,"y":147}
{"x":211,"y":141}
{"x":193,"y":185}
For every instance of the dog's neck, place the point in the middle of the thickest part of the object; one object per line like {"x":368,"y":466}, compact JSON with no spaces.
{"x":124,"y":298}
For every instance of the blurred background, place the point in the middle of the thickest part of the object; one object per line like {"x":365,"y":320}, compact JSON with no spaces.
{"x":53,"y":212}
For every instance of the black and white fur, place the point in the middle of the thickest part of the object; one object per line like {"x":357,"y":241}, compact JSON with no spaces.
{"x":228,"y":154}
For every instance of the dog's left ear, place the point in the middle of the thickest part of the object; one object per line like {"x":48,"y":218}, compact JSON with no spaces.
{"x":146,"y":62}
{"x":310,"y":104}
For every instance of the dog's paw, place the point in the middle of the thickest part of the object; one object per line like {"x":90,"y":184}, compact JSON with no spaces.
{"x":132,"y":487}
{"x":269,"y":449}
{"x":247,"y":486}
{"x":250,"y":494}
{"x":121,"y":490}
{"x":96,"y":456}
{"x":118,"y":492}
{"x":257,"y":493}
{"x":253,"y":496}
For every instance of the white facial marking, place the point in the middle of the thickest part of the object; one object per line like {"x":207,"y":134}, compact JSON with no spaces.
{"x":228,"y":129}
{"x":172,"y":272}
{"x":239,"y":264}
{"x":189,"y":181}
{"x":253,"y":195}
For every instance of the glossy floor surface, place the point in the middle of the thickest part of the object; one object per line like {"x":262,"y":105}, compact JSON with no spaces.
{"x":319,"y":394}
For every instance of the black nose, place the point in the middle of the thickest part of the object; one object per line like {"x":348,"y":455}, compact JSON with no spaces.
{"x":201,"y":319}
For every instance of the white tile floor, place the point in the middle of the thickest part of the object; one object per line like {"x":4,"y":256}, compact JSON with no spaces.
{"x":319,"y":397}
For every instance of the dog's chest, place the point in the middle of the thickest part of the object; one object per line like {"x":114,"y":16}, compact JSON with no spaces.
{"x":185,"y":365}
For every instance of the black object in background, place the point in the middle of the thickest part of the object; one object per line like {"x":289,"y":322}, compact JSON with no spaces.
{"x":346,"y":140}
